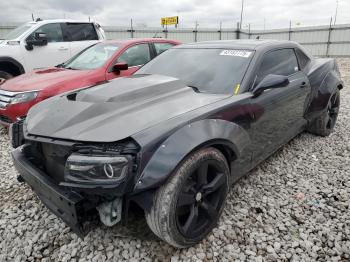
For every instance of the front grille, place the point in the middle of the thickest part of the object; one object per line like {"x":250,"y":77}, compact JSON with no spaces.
{"x":5,"y":97}
{"x":5,"y":119}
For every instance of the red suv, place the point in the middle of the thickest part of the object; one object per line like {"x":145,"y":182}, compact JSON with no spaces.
{"x":98,"y":63}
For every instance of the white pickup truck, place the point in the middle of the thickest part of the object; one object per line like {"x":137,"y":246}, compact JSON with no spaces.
{"x":45,"y":43}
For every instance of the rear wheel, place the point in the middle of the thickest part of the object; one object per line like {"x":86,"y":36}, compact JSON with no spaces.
{"x":4,"y":76}
{"x":324,"y":124}
{"x":189,"y":204}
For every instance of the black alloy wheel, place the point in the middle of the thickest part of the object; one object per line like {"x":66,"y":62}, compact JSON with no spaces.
{"x":201,"y":198}
{"x":333,"y":110}
{"x":189,"y":204}
{"x":324,"y":124}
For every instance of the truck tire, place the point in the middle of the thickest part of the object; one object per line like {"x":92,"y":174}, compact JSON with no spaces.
{"x":4,"y":76}
{"x":324,"y":124}
{"x":187,"y":207}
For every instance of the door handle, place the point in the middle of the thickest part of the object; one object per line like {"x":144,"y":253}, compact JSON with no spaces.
{"x":303,"y":84}
{"x":63,"y":48}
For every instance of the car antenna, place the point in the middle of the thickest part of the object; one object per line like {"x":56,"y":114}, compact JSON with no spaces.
{"x":38,"y":19}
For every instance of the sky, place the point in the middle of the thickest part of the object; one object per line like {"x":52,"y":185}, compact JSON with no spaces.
{"x":259,"y":14}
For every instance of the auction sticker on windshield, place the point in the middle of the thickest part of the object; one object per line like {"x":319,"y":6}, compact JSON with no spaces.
{"x":241,"y":53}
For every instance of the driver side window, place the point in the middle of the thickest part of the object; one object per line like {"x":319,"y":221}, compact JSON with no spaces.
{"x":136,"y":55}
{"x":278,"y":62}
{"x":53,"y":33}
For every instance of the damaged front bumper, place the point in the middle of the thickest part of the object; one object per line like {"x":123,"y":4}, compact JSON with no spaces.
{"x":64,"y":202}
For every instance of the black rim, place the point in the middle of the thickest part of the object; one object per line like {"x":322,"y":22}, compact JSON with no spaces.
{"x":199,"y":203}
{"x":333,"y":109}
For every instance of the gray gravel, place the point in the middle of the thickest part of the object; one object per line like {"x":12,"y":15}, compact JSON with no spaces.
{"x":295,"y":206}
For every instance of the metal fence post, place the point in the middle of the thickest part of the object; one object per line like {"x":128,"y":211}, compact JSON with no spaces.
{"x":220,"y":30}
{"x":131,"y":30}
{"x":290,"y":30}
{"x":195,"y":31}
{"x":329,"y":38}
{"x":237,"y":31}
{"x":249,"y":31}
{"x":166,"y":31}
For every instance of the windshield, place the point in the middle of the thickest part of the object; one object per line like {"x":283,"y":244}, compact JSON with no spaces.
{"x":92,"y":58}
{"x":217,"y":71}
{"x":17,"y":32}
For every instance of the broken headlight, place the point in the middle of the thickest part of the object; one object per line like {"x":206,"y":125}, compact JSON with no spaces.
{"x":97,"y":169}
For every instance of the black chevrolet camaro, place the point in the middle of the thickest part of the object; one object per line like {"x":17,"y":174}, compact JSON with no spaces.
{"x":173,"y":137}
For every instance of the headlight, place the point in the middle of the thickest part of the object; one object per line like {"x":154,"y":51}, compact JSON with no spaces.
{"x":24,"y":97}
{"x":96,"y":168}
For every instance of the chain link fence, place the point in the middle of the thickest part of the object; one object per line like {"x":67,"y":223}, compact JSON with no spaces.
{"x":318,"y":40}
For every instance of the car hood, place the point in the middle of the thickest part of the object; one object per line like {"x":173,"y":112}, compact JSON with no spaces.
{"x":115,"y":110}
{"x":44,"y":78}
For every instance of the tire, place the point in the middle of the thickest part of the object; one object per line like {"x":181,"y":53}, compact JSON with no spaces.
{"x":324,"y":124}
{"x":188,"y":206}
{"x":4,"y":76}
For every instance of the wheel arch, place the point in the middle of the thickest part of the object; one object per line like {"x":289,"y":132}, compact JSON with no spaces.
{"x":229,"y":138}
{"x":330,"y":83}
{"x":11,"y":65}
{"x":319,"y":101}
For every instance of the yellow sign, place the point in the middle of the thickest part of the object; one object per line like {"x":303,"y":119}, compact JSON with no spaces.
{"x":174,"y":20}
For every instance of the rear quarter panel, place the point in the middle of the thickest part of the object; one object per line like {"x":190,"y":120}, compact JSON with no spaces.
{"x":324,"y":79}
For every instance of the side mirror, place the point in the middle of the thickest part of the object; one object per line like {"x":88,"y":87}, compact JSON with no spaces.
{"x":270,"y":81}
{"x":119,"y":67}
{"x":40,"y":39}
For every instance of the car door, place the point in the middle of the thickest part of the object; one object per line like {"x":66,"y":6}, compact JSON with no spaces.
{"x":55,"y":52}
{"x":135,"y":56}
{"x":79,"y":36}
{"x":281,"y":110}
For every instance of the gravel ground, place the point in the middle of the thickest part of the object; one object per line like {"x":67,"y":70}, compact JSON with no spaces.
{"x":295,"y":206}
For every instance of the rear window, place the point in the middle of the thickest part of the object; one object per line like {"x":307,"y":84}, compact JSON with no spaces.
{"x":302,"y":58}
{"x":79,"y":31}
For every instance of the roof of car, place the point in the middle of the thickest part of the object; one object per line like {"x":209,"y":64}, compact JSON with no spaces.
{"x":251,"y":44}
{"x":139,"y":40}
{"x":47,"y":21}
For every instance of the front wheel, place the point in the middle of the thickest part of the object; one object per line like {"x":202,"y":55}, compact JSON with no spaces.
{"x":4,"y":76}
{"x":187,"y":207}
{"x":324,"y":124}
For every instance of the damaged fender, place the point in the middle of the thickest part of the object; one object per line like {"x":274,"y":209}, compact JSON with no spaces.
{"x":184,"y":141}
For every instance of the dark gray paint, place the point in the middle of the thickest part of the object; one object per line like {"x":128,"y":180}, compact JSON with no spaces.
{"x":184,"y":141}
{"x":154,"y":110}
{"x":116,"y":110}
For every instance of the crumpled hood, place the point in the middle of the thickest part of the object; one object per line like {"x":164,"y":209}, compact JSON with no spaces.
{"x":115,"y":110}
{"x":44,"y":78}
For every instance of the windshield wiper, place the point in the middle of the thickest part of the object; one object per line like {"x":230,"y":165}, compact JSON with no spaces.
{"x":195,"y":89}
{"x":71,"y":68}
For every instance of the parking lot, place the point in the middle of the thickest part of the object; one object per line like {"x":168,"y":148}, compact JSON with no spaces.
{"x":293,"y":206}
